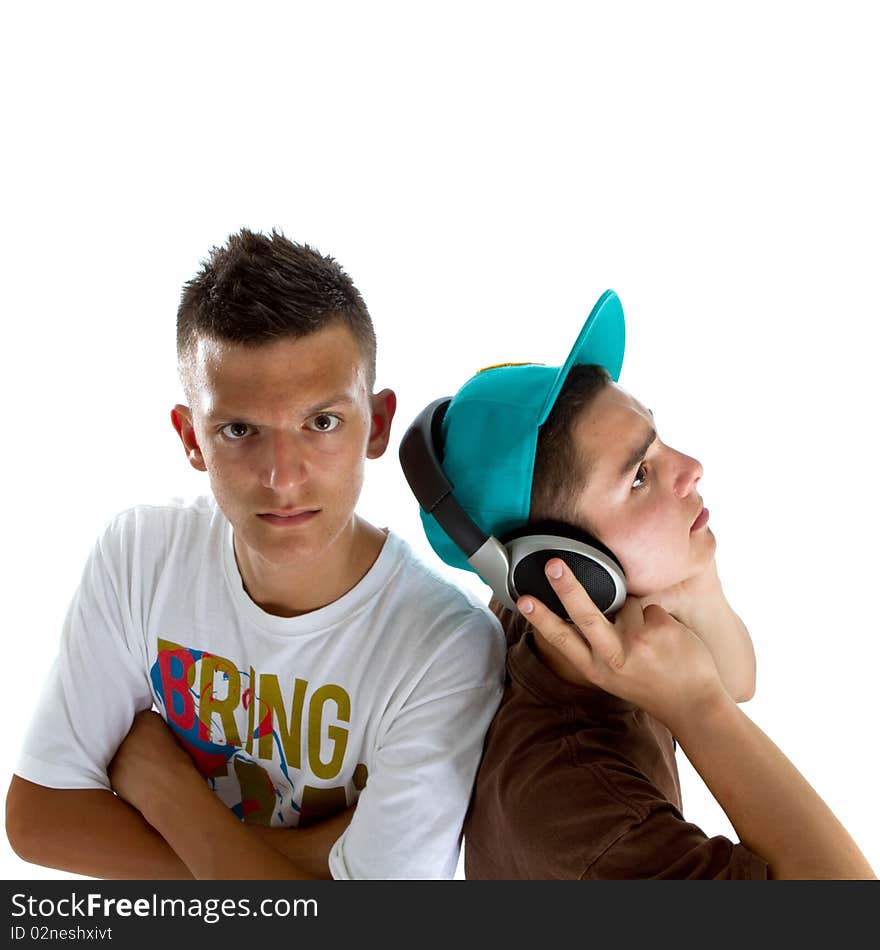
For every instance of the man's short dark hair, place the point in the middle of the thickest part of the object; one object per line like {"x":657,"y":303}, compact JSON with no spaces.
{"x":561,"y":470}
{"x":257,"y":289}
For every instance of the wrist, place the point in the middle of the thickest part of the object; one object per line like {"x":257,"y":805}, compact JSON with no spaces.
{"x":704,"y":611}
{"x":703,"y":717}
{"x":699,"y":599}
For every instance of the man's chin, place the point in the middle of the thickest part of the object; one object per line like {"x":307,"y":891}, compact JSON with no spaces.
{"x":281,"y":548}
{"x":711,"y":542}
{"x":289,"y":552}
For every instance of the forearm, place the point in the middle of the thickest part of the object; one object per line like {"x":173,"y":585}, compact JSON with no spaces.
{"x":209,"y":839}
{"x":775,"y":811}
{"x":86,"y":831}
{"x":308,"y":848}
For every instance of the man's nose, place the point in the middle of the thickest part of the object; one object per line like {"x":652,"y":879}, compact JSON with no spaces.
{"x":285,"y":463}
{"x":690,"y":472}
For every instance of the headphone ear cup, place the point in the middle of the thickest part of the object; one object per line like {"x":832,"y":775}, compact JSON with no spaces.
{"x":600,"y":576}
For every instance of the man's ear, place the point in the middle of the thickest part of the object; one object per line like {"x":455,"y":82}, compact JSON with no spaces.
{"x":384,"y":405}
{"x":181,"y":419}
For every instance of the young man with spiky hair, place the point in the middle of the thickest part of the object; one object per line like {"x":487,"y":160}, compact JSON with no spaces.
{"x":322,"y":695}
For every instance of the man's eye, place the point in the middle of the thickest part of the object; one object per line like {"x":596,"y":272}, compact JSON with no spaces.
{"x":641,"y":476}
{"x":236,"y":431}
{"x":324,"y":422}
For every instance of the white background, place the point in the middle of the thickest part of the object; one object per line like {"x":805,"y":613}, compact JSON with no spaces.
{"x":483,"y":171}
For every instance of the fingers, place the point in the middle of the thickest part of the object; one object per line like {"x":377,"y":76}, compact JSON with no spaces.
{"x":631,"y":615}
{"x":556,"y":633}
{"x":571,"y":592}
{"x":601,"y":636}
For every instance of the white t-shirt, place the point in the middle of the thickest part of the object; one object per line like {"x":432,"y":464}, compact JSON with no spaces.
{"x":382,"y":697}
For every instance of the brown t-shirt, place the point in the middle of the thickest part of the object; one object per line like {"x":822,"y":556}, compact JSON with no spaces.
{"x":576,"y":783}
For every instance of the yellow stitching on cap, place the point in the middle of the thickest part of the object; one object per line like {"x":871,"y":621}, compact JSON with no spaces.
{"x":486,"y":369}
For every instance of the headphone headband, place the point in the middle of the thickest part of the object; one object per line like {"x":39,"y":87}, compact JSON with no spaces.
{"x":421,"y":456}
{"x":516,"y":566}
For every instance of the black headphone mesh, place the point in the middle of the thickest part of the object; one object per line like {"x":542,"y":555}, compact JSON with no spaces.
{"x":529,"y":578}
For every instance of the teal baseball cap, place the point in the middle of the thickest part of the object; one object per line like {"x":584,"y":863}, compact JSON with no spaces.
{"x":490,"y":430}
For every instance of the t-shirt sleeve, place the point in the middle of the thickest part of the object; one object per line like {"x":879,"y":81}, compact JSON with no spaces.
{"x":538,"y":816}
{"x":95,"y":686}
{"x":663,"y":846}
{"x":407,"y":824}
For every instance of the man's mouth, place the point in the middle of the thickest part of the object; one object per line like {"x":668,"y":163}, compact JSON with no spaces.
{"x":289,"y":517}
{"x":700,"y":520}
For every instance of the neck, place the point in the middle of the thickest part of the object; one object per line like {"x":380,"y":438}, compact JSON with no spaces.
{"x":289,"y":590}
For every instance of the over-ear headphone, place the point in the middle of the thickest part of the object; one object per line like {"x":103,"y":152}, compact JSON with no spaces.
{"x":514,"y":565}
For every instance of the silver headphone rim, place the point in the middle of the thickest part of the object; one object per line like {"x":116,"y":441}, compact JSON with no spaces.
{"x":520,"y":548}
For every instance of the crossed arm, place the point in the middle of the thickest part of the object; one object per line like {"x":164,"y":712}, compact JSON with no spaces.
{"x":162,"y":823}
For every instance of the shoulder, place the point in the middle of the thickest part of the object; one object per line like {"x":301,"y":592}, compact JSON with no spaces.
{"x":659,"y":843}
{"x":554,"y":818}
{"x":423,"y":577}
{"x":435,"y":597}
{"x":607,"y":818}
{"x":176,"y":513}
{"x":441,"y":619}
{"x":159,"y":527}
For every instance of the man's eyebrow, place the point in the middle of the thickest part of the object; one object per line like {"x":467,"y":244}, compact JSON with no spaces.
{"x":342,"y":399}
{"x":638,"y":454}
{"x":220,"y":413}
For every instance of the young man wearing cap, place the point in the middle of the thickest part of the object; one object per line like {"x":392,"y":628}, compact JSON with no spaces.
{"x":303,"y":661}
{"x":578,"y":777}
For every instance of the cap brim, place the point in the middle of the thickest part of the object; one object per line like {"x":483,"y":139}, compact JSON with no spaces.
{"x":601,"y":341}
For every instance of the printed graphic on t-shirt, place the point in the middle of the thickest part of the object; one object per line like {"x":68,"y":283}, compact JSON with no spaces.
{"x":254,"y":738}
